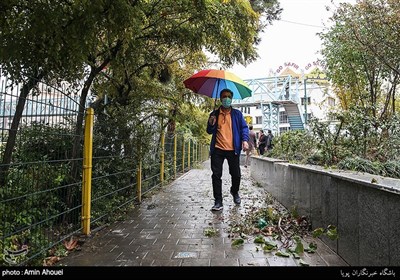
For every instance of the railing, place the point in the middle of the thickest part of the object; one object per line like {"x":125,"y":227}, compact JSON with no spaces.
{"x":42,"y":204}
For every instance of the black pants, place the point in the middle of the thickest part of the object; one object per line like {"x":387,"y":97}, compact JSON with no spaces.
{"x":262,"y":149}
{"x":217,"y":161}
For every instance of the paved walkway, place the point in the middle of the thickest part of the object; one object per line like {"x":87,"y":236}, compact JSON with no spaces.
{"x":168,"y":229}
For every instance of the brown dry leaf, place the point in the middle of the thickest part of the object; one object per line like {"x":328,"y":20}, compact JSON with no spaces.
{"x":50,"y":260}
{"x":268,"y":231}
{"x":71,"y":244}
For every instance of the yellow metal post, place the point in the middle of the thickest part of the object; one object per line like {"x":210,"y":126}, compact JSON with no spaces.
{"x":195,"y":154}
{"x":189,"y":154}
{"x":183,"y":154}
{"x":139,"y":181}
{"x":87,"y":171}
{"x":162,"y":156}
{"x":175,"y":151}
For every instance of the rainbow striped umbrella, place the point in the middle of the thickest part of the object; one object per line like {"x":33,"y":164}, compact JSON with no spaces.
{"x":210,"y":82}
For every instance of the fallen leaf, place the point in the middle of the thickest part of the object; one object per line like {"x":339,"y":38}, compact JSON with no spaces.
{"x":303,"y":263}
{"x":71,"y":244}
{"x":237,"y":242}
{"x":50,"y":261}
{"x":282,"y":254}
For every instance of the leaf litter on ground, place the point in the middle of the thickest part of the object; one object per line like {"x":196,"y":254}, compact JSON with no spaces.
{"x":272,"y":226}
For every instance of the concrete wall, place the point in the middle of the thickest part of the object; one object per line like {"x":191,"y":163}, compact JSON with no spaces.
{"x":365,"y":208}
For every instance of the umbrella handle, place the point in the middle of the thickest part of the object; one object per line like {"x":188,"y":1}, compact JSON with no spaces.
{"x":216,"y":93}
{"x":215,"y":104}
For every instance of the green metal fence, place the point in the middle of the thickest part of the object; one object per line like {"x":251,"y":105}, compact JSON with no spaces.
{"x":41,"y":202}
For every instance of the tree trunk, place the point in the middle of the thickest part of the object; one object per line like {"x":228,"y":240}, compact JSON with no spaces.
{"x":12,"y":136}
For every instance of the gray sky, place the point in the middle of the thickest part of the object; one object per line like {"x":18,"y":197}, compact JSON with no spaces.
{"x":293,"y":39}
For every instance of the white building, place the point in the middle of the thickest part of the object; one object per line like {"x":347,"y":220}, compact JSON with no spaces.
{"x":279,"y":102}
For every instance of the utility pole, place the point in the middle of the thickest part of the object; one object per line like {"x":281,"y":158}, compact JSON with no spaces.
{"x":305,"y":95}
{"x":305,"y":101}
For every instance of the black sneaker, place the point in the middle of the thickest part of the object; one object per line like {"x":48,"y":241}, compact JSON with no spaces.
{"x":236,"y":198}
{"x":217,"y":206}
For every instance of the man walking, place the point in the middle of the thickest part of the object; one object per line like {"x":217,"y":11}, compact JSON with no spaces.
{"x":230,"y":134}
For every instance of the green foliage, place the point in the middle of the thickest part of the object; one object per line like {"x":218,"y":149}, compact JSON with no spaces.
{"x":237,"y":242}
{"x":259,"y":240}
{"x":318,"y":232}
{"x":211,"y":232}
{"x":392,"y":169}
{"x":282,"y":254}
{"x":363,"y":66}
{"x":40,"y":142}
{"x":193,"y":122}
{"x":294,"y":212}
{"x":303,"y":263}
{"x":351,"y":143}
{"x":60,"y":251}
{"x":269,"y":246}
{"x":317,"y":158}
{"x":330,"y":231}
{"x":327,"y":137}
{"x":360,"y":55}
{"x":33,"y":239}
{"x":299,"y":249}
{"x":294,"y":145}
{"x":360,"y":164}
{"x":35,"y":193}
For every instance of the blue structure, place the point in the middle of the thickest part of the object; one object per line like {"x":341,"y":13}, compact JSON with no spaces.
{"x":269,"y":94}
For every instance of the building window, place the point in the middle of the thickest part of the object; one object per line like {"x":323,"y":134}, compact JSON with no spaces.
{"x":245,"y":110}
{"x":331,"y":101}
{"x":283,"y":117}
{"x":308,"y":101}
{"x":258,"y":120}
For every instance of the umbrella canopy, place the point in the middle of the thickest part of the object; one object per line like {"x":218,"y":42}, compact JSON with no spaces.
{"x":210,"y":82}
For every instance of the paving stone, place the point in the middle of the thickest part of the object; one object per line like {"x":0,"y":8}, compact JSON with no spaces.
{"x":253,"y":262}
{"x":167,"y":229}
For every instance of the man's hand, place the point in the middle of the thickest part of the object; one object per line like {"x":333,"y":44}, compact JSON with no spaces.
{"x":245,"y":145}
{"x":212,"y":120}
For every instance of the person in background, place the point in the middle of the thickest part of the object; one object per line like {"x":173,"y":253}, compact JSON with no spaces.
{"x":252,"y":145}
{"x":230,"y":134}
{"x":262,"y":142}
{"x":269,"y":143}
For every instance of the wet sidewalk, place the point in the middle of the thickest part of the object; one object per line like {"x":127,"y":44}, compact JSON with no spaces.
{"x":170,"y":229}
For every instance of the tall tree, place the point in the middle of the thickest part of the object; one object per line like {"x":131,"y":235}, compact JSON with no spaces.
{"x":362,"y":57}
{"x":134,"y":38}
{"x":363,"y":62}
{"x":32,"y":50}
{"x":171,"y":41}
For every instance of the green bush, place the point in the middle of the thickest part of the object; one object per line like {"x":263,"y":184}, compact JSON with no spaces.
{"x":392,"y":169}
{"x":361,"y":165}
{"x":294,"y":145}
